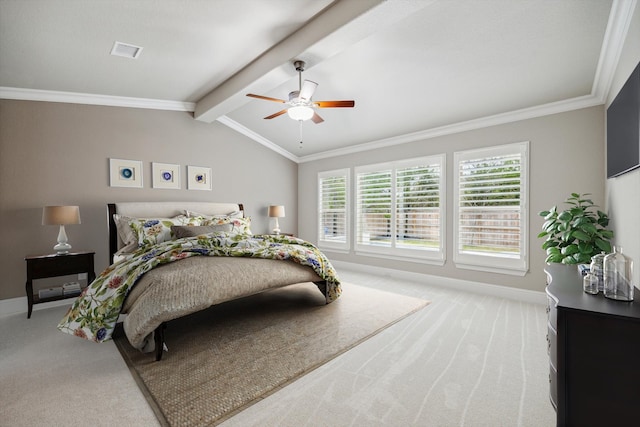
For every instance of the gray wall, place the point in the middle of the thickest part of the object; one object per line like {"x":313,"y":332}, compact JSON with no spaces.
{"x":566,"y":152}
{"x":623,"y":192}
{"x":54,"y":153}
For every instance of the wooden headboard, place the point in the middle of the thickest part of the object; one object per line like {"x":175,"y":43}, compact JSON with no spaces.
{"x":160,"y":210}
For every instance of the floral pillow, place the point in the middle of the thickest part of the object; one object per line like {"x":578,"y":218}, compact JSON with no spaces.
{"x":234,"y":214}
{"x":239,"y":225}
{"x":151,"y":231}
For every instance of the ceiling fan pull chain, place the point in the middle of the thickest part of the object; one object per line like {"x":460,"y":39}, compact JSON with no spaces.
{"x":300,"y":121}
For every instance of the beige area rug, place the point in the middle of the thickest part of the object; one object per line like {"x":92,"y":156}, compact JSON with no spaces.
{"x":225,"y":358}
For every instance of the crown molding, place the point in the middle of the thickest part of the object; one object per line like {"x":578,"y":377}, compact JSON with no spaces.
{"x":93,"y":99}
{"x":612,"y":45}
{"x":484,"y":122}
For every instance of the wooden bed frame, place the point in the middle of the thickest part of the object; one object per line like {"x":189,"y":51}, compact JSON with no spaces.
{"x":114,"y":246}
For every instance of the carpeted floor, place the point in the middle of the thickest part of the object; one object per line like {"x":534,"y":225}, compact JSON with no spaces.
{"x":464,"y":360}
{"x":226,"y":358}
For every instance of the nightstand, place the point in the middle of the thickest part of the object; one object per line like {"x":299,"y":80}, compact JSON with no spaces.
{"x":44,"y":266}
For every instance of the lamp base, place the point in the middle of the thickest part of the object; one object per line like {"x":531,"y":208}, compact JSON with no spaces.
{"x":276,"y":230}
{"x":62,"y":248}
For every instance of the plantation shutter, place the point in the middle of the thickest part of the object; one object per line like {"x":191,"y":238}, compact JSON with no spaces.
{"x":400,"y":209}
{"x":489,"y":201}
{"x":333,"y":211}
{"x":491,"y":208}
{"x":418,"y":207}
{"x":374,"y":223}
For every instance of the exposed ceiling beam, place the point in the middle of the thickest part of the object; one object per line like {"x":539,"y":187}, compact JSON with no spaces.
{"x":339,"y":26}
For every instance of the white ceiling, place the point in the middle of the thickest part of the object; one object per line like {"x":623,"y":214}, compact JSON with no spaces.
{"x":414,"y":67}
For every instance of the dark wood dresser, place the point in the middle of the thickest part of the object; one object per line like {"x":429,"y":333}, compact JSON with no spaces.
{"x":594,"y":346}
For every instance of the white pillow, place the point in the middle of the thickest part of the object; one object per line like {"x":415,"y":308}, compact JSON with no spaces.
{"x":124,"y":231}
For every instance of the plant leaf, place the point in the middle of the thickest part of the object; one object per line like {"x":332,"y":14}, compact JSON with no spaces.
{"x":581,"y":235}
{"x":589,"y":228}
{"x":565,"y":216}
{"x":607,"y":234}
{"x":553,"y":251}
{"x":603,"y":245}
{"x":585,"y":247}
{"x":548,"y":225}
{"x":570,"y":250}
{"x":553,"y":258}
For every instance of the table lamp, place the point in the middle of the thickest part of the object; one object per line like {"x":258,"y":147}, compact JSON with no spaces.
{"x":276,"y":212}
{"x":61,"y":215}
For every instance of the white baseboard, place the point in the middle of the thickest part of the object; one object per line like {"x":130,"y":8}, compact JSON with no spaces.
{"x":20,"y":305}
{"x":523,"y":295}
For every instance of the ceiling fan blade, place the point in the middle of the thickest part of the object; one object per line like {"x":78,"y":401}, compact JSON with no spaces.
{"x":279,"y":113}
{"x":308,"y":88}
{"x":266,"y":98}
{"x":316,"y":118}
{"x":334,"y":104}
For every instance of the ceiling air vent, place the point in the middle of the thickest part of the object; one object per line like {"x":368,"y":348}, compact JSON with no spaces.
{"x":126,"y":50}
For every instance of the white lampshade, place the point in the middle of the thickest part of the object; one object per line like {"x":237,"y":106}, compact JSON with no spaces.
{"x":61,"y":215}
{"x":300,"y":112}
{"x":276,"y":211}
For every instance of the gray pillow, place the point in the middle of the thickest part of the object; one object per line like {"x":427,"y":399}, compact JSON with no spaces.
{"x":181,"y":231}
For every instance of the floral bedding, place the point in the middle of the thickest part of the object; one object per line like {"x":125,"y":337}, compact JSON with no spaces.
{"x":94,"y":313}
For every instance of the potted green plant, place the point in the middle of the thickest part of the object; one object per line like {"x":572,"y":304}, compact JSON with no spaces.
{"x":576,"y":234}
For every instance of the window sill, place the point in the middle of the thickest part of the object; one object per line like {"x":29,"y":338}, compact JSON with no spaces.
{"x":334,"y":250}
{"x":430,"y":261}
{"x":490,"y":269}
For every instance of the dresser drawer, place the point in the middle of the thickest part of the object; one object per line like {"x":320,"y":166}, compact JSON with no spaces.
{"x":553,"y":387}
{"x":552,"y":345}
{"x":552,"y":312}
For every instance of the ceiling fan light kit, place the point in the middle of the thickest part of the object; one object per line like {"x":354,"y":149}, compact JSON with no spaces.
{"x":301,"y":107}
{"x":300,"y":112}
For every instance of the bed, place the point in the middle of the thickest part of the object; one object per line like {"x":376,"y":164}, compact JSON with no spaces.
{"x":162,"y":275}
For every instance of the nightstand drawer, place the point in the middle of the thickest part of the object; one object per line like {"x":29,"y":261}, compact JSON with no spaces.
{"x":59,"y":265}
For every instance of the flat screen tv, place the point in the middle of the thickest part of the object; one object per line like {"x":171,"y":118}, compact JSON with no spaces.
{"x":623,"y":128}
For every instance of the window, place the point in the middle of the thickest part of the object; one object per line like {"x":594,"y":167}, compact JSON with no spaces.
{"x":333,"y":212}
{"x":490,"y":209}
{"x":400,"y":209}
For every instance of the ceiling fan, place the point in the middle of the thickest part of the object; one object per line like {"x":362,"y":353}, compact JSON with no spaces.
{"x":301,"y":107}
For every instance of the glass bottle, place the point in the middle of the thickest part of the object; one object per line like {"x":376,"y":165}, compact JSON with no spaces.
{"x":597,"y":269}
{"x":590,"y":284}
{"x":618,"y":269}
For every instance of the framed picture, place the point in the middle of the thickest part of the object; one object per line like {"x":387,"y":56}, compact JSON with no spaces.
{"x":199,"y":178}
{"x":165,"y":175}
{"x":125,"y":173}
